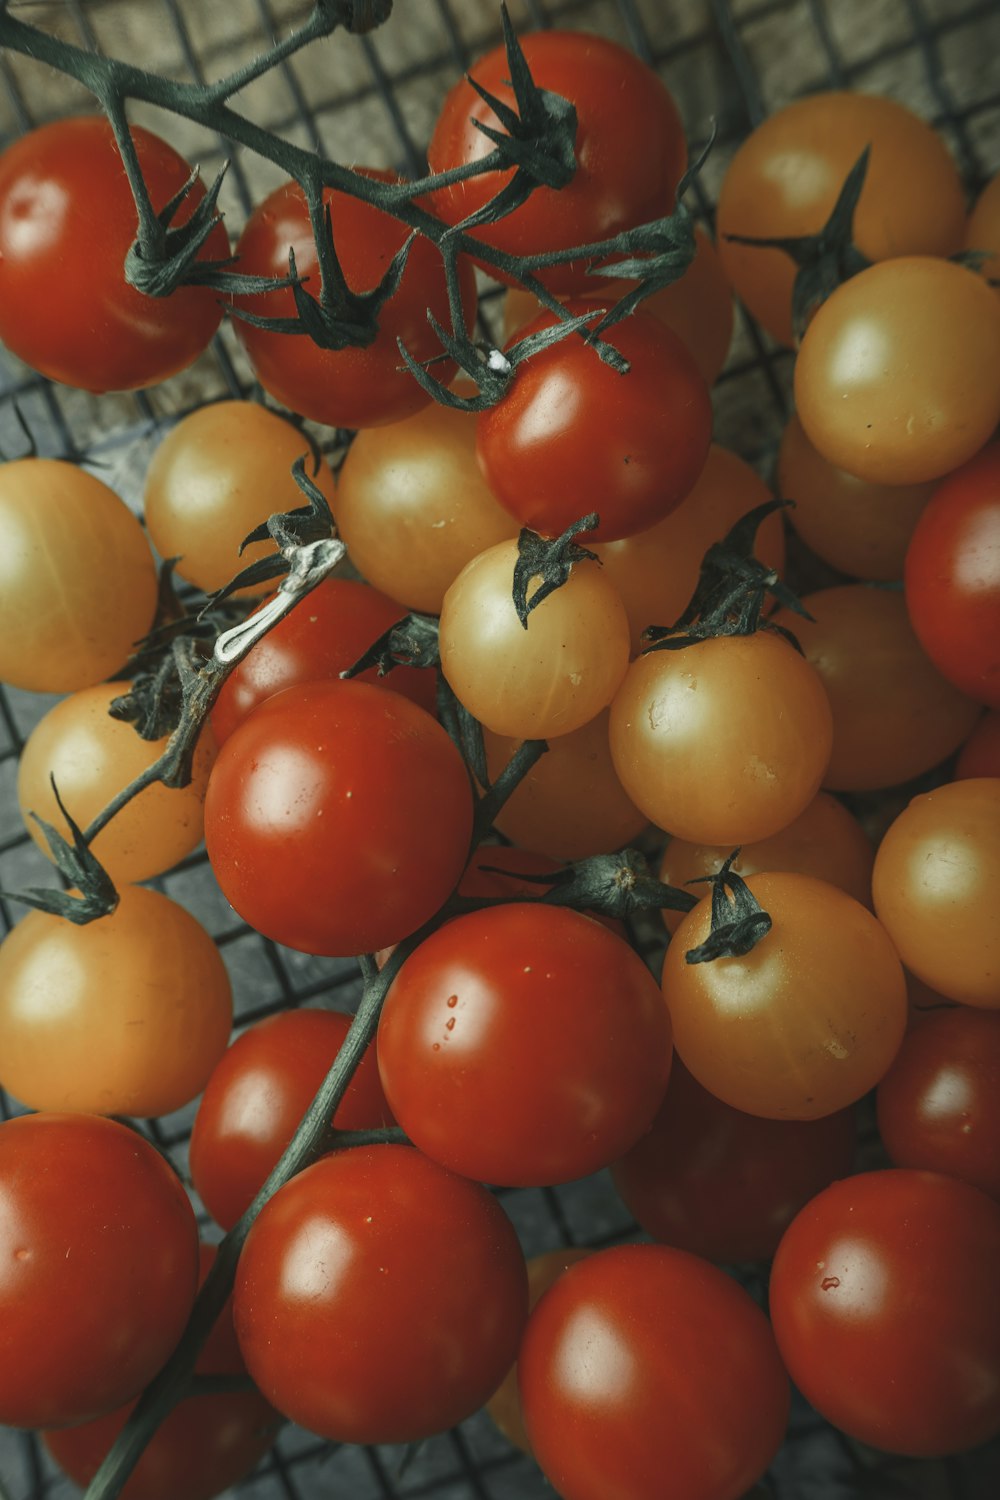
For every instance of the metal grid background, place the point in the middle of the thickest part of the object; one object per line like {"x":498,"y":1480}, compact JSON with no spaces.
{"x":374,"y":100}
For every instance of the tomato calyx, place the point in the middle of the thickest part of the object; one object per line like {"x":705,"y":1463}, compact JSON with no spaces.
{"x":738,"y":919}
{"x":612,"y":885}
{"x":411,"y":642}
{"x":550,"y":560}
{"x":162,"y":259}
{"x":97,"y":896}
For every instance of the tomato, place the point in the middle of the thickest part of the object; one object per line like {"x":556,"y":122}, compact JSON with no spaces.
{"x":980,"y":755}
{"x":723,"y":742}
{"x":623,"y":177}
{"x":858,"y":526}
{"x":933,"y":883}
{"x":953,"y":577}
{"x":218,"y":475}
{"x":67,"y":220}
{"x":643,"y":1360}
{"x":825,"y":841}
{"x":316,"y":641}
{"x":983,"y":229}
{"x":256,"y":1097}
{"x":414,"y":508}
{"x":100,"y":1253}
{"x":656,"y":571}
{"x":939,"y":1103}
{"x":205,"y":1444}
{"x":522,"y":1045}
{"x":349,"y":387}
{"x":723,"y":1184}
{"x":571,"y":435}
{"x":803,"y":1024}
{"x":413,"y":1275}
{"x":548,"y":679}
{"x":785,"y":179}
{"x":127,"y":1015}
{"x":338,"y":818}
{"x":898,"y":377}
{"x":883,"y":1305}
{"x":93,"y":757}
{"x":78,"y":581}
{"x":894,"y":715}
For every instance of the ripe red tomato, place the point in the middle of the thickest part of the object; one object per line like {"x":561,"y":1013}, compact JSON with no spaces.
{"x":538,"y":1017}
{"x":883,"y":1300}
{"x":413,"y":1276}
{"x":67,"y":220}
{"x":256,"y":1097}
{"x":623,"y":177}
{"x":338,"y":818}
{"x":952,"y":577}
{"x":350,"y":387}
{"x":100,"y":1253}
{"x":980,"y":755}
{"x":642,"y":1362}
{"x":572,"y":436}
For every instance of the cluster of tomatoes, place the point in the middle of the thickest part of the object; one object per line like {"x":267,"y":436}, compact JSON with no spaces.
{"x":381,"y":1294}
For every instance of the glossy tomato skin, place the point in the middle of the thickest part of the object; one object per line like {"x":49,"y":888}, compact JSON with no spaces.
{"x":623,"y":177}
{"x":257,"y":1095}
{"x":952,"y":577}
{"x":350,"y":387}
{"x":629,"y":447}
{"x":883,"y":1302}
{"x":536,"y":1015}
{"x":67,"y":220}
{"x":100,"y":1250}
{"x":316,"y":641}
{"x":338,"y":818}
{"x":380,"y":1298}
{"x":643,"y":1361}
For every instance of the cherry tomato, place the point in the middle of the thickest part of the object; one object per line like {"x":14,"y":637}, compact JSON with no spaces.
{"x":205,"y":1444}
{"x":785,"y":178}
{"x":953,"y":577}
{"x":67,"y":220}
{"x":894,"y":715}
{"x":412,"y":1274}
{"x":723,"y":742}
{"x":78,"y":582}
{"x":93,"y":757}
{"x":217,"y":476}
{"x":623,"y":177}
{"x":939,"y":1103}
{"x":723,"y":1184}
{"x":100,"y":1253}
{"x":349,"y":387}
{"x":983,"y":229}
{"x":803,"y":1024}
{"x":935,"y":874}
{"x":571,"y":435}
{"x":643,"y":1360}
{"x":883,"y":1305}
{"x":898,"y":377}
{"x":531,"y":1015}
{"x":548,"y":679}
{"x":338,"y":818}
{"x":127,"y":1015}
{"x":980,"y":755}
{"x":256,"y":1097}
{"x":314,"y":642}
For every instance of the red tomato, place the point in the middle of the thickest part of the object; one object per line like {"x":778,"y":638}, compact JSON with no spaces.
{"x":413,"y":1276}
{"x":952,"y":577}
{"x":256,"y":1097}
{"x":536,"y":1017}
{"x":883,"y":1300}
{"x":572,"y":436}
{"x":316,"y":641}
{"x":338,"y":818}
{"x":100,"y":1253}
{"x":348,"y":387}
{"x":623,"y":176}
{"x":980,"y":755}
{"x":644,"y":1362}
{"x":67,"y":220}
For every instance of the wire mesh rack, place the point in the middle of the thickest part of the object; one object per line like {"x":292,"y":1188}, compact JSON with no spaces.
{"x":374,"y":99}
